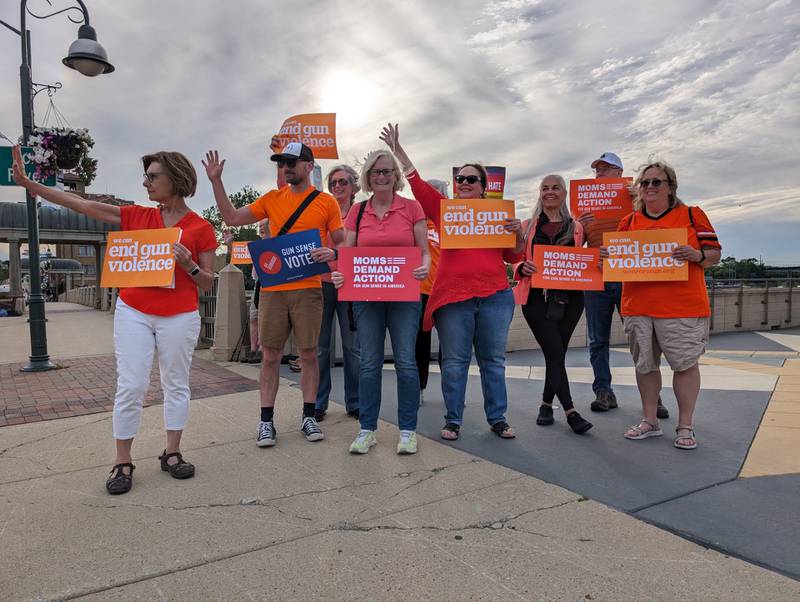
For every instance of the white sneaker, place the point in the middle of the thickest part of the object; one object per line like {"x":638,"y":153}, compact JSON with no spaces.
{"x":407,"y":443}
{"x":363,"y":442}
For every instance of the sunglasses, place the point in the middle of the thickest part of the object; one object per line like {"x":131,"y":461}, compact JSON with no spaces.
{"x":290,"y":163}
{"x":655,"y":183}
{"x":340,"y":182}
{"x":467,"y":179}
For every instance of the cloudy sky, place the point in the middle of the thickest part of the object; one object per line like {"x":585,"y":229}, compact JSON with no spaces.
{"x":539,"y":86}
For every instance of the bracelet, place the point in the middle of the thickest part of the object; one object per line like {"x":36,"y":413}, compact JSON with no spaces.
{"x":195,"y":271}
{"x":407,"y":172}
{"x":335,"y":254}
{"x":702,"y":256}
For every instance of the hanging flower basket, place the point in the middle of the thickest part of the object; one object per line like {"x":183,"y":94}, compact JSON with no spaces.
{"x":68,"y":150}
{"x":63,"y":149}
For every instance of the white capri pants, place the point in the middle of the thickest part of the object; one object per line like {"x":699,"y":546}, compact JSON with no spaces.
{"x":136,"y":337}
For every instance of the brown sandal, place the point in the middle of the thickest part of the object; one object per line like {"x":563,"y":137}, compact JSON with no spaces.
{"x":180,"y":470}
{"x":118,"y":482}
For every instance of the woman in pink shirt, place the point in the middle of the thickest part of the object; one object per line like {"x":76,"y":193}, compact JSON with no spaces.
{"x":386,"y":219}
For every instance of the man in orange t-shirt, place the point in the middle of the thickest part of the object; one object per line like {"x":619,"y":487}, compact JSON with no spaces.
{"x":295,"y":305}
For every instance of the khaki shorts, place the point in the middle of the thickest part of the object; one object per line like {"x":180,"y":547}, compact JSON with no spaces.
{"x":281,"y":312}
{"x":681,"y":340}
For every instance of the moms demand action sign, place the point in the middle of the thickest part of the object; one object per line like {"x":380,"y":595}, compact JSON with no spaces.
{"x":476,"y":224}
{"x":566,"y":269}
{"x":140,"y":258}
{"x":379,"y":273}
{"x":643,"y":255}
{"x":606,"y":198}
{"x":286,"y":258}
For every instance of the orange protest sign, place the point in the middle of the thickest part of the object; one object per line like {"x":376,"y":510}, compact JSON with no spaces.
{"x":240,"y":254}
{"x":140,"y":258}
{"x":476,"y":224}
{"x":644,"y":255}
{"x":566,"y":268}
{"x":606,"y":198}
{"x":316,"y":130}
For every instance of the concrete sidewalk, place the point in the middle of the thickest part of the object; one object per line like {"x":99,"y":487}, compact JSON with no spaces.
{"x":303,"y":520}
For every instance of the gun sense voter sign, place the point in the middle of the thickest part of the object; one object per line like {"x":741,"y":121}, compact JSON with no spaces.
{"x":476,"y":224}
{"x":644,"y":255}
{"x":379,"y":273}
{"x":286,"y":258}
{"x":140,"y":258}
{"x":606,"y":198}
{"x":566,"y":269}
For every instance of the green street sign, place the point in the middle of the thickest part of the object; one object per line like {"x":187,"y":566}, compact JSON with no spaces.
{"x":6,"y":162}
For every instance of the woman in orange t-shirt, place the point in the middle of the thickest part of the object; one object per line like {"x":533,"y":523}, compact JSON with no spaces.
{"x":150,"y":318}
{"x":669,"y":317}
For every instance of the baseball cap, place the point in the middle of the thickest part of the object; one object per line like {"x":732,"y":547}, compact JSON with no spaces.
{"x":609,"y":158}
{"x":294,"y":150}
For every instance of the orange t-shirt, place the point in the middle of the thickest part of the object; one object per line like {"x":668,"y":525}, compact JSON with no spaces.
{"x":673,"y":299}
{"x":595,"y":229}
{"x":433,"y":249}
{"x":197,"y":235}
{"x":322,"y":214}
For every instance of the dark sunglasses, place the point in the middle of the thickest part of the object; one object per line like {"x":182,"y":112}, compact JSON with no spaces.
{"x":468,"y":179}
{"x":290,"y":163}
{"x":340,"y":182}
{"x":655,"y":183}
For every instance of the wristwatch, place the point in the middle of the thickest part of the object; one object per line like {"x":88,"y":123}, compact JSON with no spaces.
{"x":335,"y":254}
{"x":195,"y":270}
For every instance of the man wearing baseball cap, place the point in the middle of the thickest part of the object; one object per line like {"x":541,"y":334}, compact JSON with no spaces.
{"x":600,"y":305}
{"x":294,"y":306}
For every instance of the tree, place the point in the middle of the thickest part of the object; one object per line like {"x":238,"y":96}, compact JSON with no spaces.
{"x":731,"y":268}
{"x":239,"y":199}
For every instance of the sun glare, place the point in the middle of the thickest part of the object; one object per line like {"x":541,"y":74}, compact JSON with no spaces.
{"x":349,"y":95}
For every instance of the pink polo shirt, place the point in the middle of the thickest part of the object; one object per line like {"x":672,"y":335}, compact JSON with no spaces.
{"x":394,"y":229}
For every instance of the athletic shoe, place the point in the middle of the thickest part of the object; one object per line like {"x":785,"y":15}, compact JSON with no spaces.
{"x":266,"y":434}
{"x":363,"y":442}
{"x":311,"y":429}
{"x":407,"y":443}
{"x":661,"y":412}
{"x":606,"y":400}
{"x":578,"y":423}
{"x":545,"y":416}
{"x":319,"y":415}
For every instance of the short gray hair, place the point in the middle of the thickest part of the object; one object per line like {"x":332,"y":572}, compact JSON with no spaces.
{"x":352,"y":175}
{"x":371,"y":159}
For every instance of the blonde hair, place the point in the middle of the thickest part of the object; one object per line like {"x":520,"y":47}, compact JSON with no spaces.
{"x":178,"y":169}
{"x":369,"y":162}
{"x":566,"y":217}
{"x":672,"y":180}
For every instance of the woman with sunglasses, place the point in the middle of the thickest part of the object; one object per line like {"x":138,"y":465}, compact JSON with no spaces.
{"x":471,"y":302}
{"x":386,"y":219}
{"x":147,"y":319}
{"x":669,"y":317}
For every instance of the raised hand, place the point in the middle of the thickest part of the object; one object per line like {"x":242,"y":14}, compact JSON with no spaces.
{"x":391,"y":136}
{"x":276,"y":145}
{"x":18,"y":168}
{"x":213,"y":165}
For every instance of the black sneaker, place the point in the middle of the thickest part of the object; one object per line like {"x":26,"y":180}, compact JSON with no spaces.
{"x":578,"y":424}
{"x":311,"y":429}
{"x":354,"y":413}
{"x":319,"y":415}
{"x":661,"y":412}
{"x":545,"y":416}
{"x":266,"y":434}
{"x":605,"y":400}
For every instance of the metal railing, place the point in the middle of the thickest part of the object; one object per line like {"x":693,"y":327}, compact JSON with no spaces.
{"x":770,"y":291}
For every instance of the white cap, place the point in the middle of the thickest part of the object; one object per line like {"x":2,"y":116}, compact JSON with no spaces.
{"x":609,"y":158}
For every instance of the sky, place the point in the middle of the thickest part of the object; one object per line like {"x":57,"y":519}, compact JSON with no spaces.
{"x":538,"y":86}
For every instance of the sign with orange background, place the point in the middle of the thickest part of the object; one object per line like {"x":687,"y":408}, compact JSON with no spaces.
{"x":240,"y":253}
{"x":644,"y":255}
{"x":476,"y":224}
{"x":140,"y":258}
{"x":316,"y":130}
{"x":566,"y":268}
{"x":605,"y":198}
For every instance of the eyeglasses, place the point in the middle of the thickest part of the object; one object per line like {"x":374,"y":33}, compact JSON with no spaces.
{"x":381,"y":172}
{"x":290,"y":163}
{"x":468,"y":179}
{"x":150,"y":176}
{"x":655,"y":183}
{"x":340,"y":182}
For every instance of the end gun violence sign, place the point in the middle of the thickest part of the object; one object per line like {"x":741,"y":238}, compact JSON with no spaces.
{"x":379,"y":273}
{"x":239,"y":253}
{"x":476,"y":224}
{"x":316,"y":130}
{"x":606,"y":198}
{"x":566,"y":268}
{"x":286,"y":258}
{"x":644,"y":255}
{"x":140,"y":258}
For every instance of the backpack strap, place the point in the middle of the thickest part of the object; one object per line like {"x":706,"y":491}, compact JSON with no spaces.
{"x":298,"y":212}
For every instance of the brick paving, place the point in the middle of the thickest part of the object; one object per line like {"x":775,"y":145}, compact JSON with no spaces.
{"x":87,"y":385}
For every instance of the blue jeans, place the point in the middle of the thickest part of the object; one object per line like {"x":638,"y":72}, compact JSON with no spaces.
{"x":402,"y":320}
{"x":599,"y":315}
{"x":350,"y":351}
{"x":481,"y":322}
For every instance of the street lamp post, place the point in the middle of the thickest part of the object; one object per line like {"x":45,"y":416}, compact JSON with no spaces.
{"x":88,"y":57}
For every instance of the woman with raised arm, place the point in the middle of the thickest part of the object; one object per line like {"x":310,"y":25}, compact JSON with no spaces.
{"x":150,"y":318}
{"x":470,"y":302}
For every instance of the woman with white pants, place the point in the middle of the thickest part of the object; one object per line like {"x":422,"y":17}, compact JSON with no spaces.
{"x":152,"y":318}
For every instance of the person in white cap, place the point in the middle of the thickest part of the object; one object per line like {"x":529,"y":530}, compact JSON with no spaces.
{"x":599,"y":305}
{"x":294,"y":306}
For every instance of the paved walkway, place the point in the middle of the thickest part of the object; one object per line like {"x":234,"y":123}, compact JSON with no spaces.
{"x":305,"y":520}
